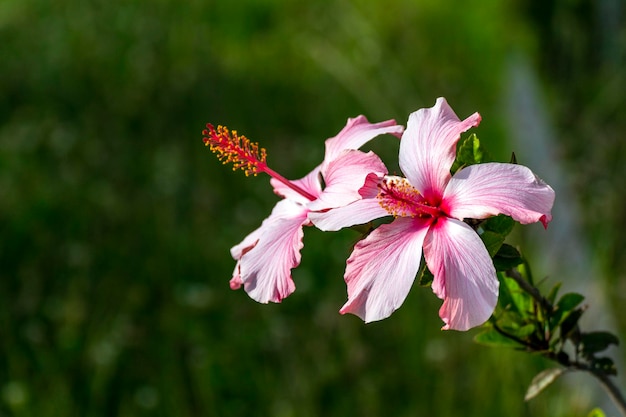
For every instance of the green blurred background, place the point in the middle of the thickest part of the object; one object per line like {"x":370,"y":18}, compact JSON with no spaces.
{"x":116,"y":222}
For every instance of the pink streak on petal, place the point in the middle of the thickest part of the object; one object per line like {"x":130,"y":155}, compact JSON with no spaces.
{"x":357,"y":132}
{"x":484,"y":190}
{"x":428,"y":147}
{"x":345,"y":176}
{"x":371,"y":187}
{"x":465,"y":277}
{"x":310,"y":183}
{"x":248,"y":243}
{"x":236,"y":282}
{"x":264,"y":268}
{"x":382,"y":268}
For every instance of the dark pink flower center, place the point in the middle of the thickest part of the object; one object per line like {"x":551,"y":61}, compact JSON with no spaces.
{"x":401,"y":199}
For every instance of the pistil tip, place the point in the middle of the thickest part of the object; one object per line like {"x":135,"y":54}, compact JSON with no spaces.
{"x":232,"y":148}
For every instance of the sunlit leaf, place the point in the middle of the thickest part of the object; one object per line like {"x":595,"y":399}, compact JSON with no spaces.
{"x":564,"y":308}
{"x":521,"y":300}
{"x":493,"y":338}
{"x":470,"y":152}
{"x":569,"y":301}
{"x":596,"y":412}
{"x":525,"y":331}
{"x":542,"y":380}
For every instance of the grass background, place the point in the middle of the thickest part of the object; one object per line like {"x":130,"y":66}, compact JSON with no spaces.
{"x":116,"y":222}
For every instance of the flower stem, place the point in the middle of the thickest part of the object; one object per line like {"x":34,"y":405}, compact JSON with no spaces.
{"x":526,"y":286}
{"x":612,"y":390}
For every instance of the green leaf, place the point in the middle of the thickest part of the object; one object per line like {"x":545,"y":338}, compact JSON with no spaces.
{"x":513,"y":325}
{"x":569,"y":325}
{"x":520,"y":300}
{"x":566,"y":304}
{"x":596,"y":412}
{"x":492,"y":241}
{"x":424,"y":276}
{"x":542,"y":380}
{"x":492,"y":338}
{"x":569,"y":301}
{"x":494,"y":231}
{"x":606,"y":365}
{"x":594,"y":342}
{"x":470,"y":152}
{"x":507,"y":257}
{"x":551,"y":297}
{"x":500,"y":224}
{"x":524,"y":331}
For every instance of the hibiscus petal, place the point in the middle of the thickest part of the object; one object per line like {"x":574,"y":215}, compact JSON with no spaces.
{"x":345,"y":176}
{"x":428,"y":147}
{"x":382,"y":268}
{"x":267,"y":255}
{"x":311,"y":183}
{"x":246,"y":244}
{"x":359,"y":212}
{"x":484,"y":190}
{"x":465,"y":277}
{"x":357,"y":132}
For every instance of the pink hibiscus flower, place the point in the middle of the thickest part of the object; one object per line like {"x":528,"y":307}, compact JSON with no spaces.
{"x":267,"y":255}
{"x":429,"y":206}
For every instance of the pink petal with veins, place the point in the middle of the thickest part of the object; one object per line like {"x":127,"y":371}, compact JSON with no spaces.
{"x":382,"y":268}
{"x":357,"y":132}
{"x":481,"y":191}
{"x":428,"y":147}
{"x":359,"y":212}
{"x":268,"y":254}
{"x":465,"y":277}
{"x":345,"y":176}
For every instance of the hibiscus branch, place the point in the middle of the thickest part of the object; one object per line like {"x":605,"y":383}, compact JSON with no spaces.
{"x":556,"y":326}
{"x":528,"y":288}
{"x":611,"y":389}
{"x":529,"y":345}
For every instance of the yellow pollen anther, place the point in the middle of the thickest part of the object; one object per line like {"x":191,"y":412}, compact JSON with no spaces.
{"x":232,"y":148}
{"x":401,"y":199}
